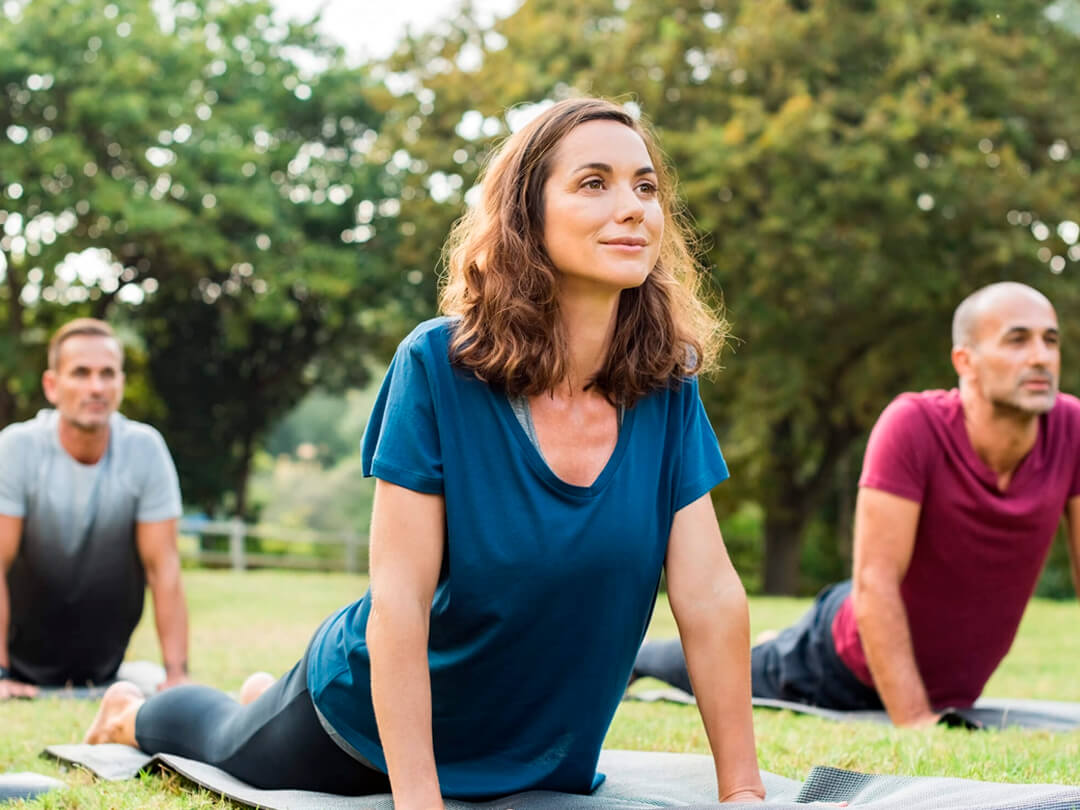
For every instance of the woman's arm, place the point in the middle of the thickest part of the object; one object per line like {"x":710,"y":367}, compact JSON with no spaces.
{"x":710,"y":609}
{"x":407,"y":532}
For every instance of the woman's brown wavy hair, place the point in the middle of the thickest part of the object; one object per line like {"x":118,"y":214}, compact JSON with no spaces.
{"x":503,"y":287}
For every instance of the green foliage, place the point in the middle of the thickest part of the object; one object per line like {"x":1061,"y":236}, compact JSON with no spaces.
{"x":1056,"y":580}
{"x":331,"y":425}
{"x":231,"y":199}
{"x":857,"y":169}
{"x":304,"y":495}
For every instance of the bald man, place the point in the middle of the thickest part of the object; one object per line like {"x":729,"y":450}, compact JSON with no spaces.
{"x":960,"y":496}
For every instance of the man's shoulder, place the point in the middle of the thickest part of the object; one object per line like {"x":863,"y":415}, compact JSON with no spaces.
{"x":1068,"y":406}
{"x":130,"y":434}
{"x":32,"y":433}
{"x":922,"y":408}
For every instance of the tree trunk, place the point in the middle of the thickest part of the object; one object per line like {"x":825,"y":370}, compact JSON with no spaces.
{"x":783,"y":546}
{"x":7,"y":408}
{"x":243,"y":472}
{"x":8,"y":404}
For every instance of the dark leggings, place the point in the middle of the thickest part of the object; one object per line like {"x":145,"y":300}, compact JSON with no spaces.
{"x":799,"y":665}
{"x":274,"y":743}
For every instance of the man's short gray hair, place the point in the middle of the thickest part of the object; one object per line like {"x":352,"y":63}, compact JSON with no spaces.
{"x":966,"y":318}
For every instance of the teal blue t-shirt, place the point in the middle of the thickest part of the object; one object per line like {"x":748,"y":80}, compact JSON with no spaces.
{"x":546,"y":588}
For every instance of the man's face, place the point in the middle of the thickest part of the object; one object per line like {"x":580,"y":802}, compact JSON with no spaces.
{"x":1016,"y":358}
{"x":88,"y":382}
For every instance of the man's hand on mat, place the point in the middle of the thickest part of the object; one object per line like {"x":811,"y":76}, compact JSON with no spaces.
{"x":17,"y":689}
{"x":179,"y":679}
{"x":923,"y":720}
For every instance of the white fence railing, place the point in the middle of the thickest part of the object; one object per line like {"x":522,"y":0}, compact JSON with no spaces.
{"x":353,"y":556}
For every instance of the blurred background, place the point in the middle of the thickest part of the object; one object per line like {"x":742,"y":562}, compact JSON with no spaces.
{"x":257,"y":198}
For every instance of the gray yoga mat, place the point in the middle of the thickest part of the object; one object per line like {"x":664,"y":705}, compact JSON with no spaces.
{"x":636,"y":780}
{"x":987,"y":713}
{"x":144,"y":674}
{"x":25,"y":786}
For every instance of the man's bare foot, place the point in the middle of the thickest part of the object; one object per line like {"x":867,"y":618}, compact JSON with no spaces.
{"x":254,"y":686}
{"x":115,"y":720}
{"x":765,"y":636}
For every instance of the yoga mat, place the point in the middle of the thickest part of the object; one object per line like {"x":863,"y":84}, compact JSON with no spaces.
{"x":144,"y":674}
{"x":26,"y":786}
{"x":640,"y":779}
{"x":987,"y":713}
{"x":635,"y":780}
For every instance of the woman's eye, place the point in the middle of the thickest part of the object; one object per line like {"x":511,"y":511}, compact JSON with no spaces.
{"x":647,"y":188}
{"x":594,"y":183}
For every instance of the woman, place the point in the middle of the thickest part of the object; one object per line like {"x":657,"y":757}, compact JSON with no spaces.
{"x":541,"y":454}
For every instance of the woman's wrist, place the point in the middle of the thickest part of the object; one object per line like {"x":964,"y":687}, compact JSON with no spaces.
{"x":418,"y":800}
{"x":744,"y":793}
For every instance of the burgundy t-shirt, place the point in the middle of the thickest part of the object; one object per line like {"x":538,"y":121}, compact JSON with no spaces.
{"x":978,"y":551}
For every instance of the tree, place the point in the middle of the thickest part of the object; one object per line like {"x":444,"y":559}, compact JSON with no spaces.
{"x":855,"y":167}
{"x":221,"y":165}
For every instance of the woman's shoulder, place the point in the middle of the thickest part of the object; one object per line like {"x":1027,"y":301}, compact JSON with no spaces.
{"x":429,"y":339}
{"x":678,"y":400}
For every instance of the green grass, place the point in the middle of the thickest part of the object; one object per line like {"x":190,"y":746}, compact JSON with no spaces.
{"x":262,"y":620}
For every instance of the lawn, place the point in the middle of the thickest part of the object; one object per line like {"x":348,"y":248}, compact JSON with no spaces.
{"x":262,"y":620}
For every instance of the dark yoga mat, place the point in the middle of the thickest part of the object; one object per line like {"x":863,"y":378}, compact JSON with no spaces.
{"x":26,"y":786}
{"x":987,"y":713}
{"x":637,"y":780}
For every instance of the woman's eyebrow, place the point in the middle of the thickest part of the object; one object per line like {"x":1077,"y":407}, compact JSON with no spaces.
{"x":605,"y":167}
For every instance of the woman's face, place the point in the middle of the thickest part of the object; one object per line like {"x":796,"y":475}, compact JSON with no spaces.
{"x":602,"y":217}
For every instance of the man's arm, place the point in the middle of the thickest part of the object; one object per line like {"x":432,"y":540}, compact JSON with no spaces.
{"x":10,"y":535}
{"x":156,"y":543}
{"x":710,"y":609}
{"x":885,"y":527}
{"x":1072,"y":516}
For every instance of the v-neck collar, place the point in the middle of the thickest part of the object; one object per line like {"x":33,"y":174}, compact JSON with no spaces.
{"x":540,"y":466}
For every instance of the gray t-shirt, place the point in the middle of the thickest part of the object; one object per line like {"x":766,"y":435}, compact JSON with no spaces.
{"x":77,"y":583}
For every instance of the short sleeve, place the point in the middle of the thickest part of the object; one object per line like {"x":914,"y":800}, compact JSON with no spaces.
{"x":401,"y":442}
{"x":897,"y":454}
{"x":13,"y":460}
{"x":703,"y":465}
{"x":1073,"y":441}
{"x":159,"y":487}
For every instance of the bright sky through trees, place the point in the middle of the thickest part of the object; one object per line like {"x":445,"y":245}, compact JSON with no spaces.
{"x":370,"y":28}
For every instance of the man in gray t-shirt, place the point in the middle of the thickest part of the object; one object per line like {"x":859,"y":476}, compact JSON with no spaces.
{"x":89,"y":503}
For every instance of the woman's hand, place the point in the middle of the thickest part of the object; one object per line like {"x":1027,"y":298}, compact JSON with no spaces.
{"x":745,"y":795}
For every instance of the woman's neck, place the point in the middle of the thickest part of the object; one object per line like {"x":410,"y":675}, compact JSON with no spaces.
{"x":589,"y":321}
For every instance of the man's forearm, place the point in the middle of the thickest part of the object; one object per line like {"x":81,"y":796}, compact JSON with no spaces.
{"x":171,"y":618}
{"x":1074,"y":568}
{"x":886,"y":640}
{"x":5,"y":621}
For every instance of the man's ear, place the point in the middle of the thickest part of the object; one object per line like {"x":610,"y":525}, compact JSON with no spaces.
{"x":961,"y":360}
{"x":48,"y":385}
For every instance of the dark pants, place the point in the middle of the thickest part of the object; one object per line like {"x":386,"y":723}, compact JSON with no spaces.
{"x":276,"y":742}
{"x":799,"y":665}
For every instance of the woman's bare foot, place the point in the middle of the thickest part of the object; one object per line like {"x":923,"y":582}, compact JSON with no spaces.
{"x":115,"y":720}
{"x":254,"y":686}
